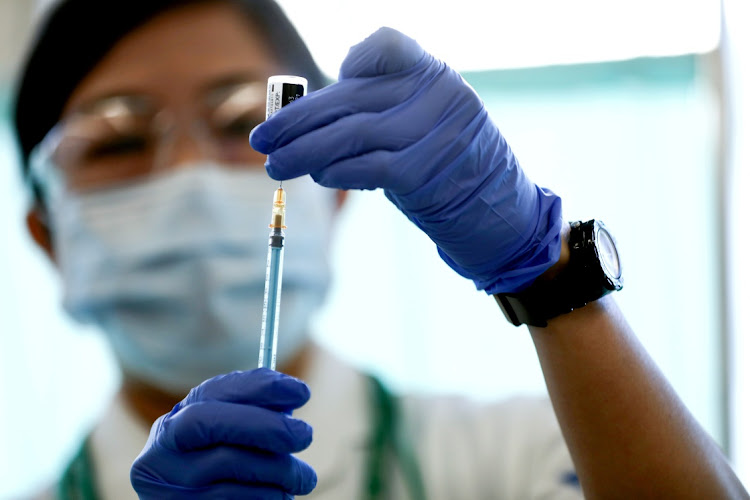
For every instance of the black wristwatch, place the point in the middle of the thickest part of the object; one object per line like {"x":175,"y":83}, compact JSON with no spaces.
{"x":592,"y":272}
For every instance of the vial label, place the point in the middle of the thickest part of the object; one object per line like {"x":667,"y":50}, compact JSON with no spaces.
{"x":281,"y":94}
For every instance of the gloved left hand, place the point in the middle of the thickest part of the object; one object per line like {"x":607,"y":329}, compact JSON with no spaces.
{"x":231,"y":437}
{"x":401,"y":120}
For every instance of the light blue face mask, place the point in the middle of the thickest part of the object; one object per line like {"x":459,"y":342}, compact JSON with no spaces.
{"x":173,"y":269}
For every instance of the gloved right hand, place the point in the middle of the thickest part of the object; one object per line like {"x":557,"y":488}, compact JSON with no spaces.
{"x":401,"y":120}
{"x":231,"y":437}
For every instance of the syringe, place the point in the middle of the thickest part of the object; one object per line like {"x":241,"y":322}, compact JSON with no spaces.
{"x":281,"y":91}
{"x":272,"y":295}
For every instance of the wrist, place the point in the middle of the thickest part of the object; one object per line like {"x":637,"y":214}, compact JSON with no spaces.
{"x":587,"y":268}
{"x":564,"y":258}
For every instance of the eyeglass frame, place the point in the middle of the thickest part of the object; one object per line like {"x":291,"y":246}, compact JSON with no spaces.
{"x":165,"y":121}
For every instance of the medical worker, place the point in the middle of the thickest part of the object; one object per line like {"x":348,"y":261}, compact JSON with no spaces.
{"x":133,"y":120}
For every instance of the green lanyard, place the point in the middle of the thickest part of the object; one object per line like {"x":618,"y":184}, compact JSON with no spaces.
{"x":387,"y":442}
{"x":77,"y":482}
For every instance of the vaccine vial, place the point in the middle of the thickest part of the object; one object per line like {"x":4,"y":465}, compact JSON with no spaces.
{"x":283,"y":89}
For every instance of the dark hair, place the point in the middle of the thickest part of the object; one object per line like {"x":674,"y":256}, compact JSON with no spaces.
{"x":65,"y":49}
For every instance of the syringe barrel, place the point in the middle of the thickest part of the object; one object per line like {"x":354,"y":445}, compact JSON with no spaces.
{"x":272,"y":300}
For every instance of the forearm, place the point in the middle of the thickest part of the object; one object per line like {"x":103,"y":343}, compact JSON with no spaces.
{"x":628,"y":433}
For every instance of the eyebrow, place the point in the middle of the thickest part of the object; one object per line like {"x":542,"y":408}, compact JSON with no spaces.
{"x":91,"y":104}
{"x":223,"y":81}
{"x":235,"y":79}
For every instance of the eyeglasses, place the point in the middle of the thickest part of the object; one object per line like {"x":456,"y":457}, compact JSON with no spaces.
{"x":126,"y":138}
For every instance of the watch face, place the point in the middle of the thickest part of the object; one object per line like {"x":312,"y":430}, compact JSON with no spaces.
{"x":608,"y":253}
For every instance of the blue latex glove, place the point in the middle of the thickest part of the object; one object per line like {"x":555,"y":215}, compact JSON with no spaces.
{"x":231,"y":437}
{"x":401,"y":120}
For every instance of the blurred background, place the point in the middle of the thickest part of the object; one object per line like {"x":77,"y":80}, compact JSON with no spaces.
{"x":635,"y":112}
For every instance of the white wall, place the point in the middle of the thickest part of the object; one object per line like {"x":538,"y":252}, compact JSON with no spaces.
{"x":480,"y":34}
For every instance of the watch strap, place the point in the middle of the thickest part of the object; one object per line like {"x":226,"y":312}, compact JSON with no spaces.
{"x":580,"y":282}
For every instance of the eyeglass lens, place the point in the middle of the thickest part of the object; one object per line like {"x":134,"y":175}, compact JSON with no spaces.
{"x":124,"y":138}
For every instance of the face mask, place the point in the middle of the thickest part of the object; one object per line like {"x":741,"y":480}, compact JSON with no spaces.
{"x":173,"y":269}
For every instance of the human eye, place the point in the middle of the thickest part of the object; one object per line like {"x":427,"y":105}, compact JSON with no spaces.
{"x":118,"y":147}
{"x":233,"y":110}
{"x":239,"y":127}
